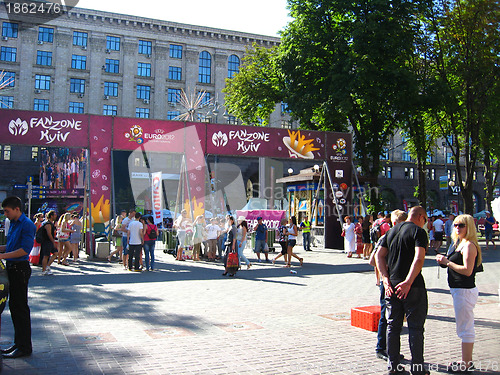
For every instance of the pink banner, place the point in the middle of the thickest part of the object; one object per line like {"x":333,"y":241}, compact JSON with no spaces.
{"x":262,"y":141}
{"x":272,"y":218}
{"x":196,"y":165}
{"x":154,"y":135}
{"x":100,"y":167}
{"x":44,"y":128}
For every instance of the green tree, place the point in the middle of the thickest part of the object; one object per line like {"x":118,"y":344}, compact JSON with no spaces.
{"x":252,"y":94}
{"x":346,"y":64}
{"x":466,"y":58}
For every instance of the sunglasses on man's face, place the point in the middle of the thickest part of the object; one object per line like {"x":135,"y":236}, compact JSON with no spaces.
{"x":460,"y":225}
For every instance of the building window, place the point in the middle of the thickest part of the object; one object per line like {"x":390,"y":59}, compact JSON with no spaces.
{"x":285,"y":124}
{"x":41,"y":105}
{"x":175,"y":51}
{"x":109,"y":110}
{"x":233,"y":66}
{"x":77,"y":85}
{"x":385,"y":154}
{"x":205,"y":100}
{"x":44,"y":58}
{"x":232,"y":120}
{"x":34,"y":153}
{"x":145,"y":47}
{"x":8,"y":54}
{"x":431,"y":174}
{"x":175,"y":73}
{"x":42,"y":82}
{"x":406,"y":155}
{"x":80,"y":38}
{"x":113,"y":43}
{"x":172,"y":114}
{"x":6,"y":152}
{"x":6,"y":101}
{"x":429,"y":158}
{"x":79,"y":62}
{"x":387,"y":171}
{"x":45,"y":34}
{"x":143,"y":92}
{"x":474,"y":176}
{"x":142,"y":112}
{"x":111,"y":88}
{"x":174,"y":95}
{"x":8,"y":79}
{"x":112,"y":66}
{"x":10,"y":29}
{"x":144,"y":69}
{"x":409,"y":173}
{"x":449,"y":158}
{"x":75,"y":107}
{"x":204,"y":70}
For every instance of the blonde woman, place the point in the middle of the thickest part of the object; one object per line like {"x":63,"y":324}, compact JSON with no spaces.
{"x":76,"y":236}
{"x":462,"y":261}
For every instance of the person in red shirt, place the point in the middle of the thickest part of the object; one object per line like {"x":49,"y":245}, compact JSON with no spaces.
{"x":384,"y":228}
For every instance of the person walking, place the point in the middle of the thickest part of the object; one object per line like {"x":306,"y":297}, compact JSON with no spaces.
{"x":349,"y":236}
{"x":260,"y":230}
{"x":400,"y":260}
{"x":48,"y":248}
{"x":282,"y":240}
{"x":292,"y":240}
{"x":20,"y":240}
{"x":438,"y":226}
{"x":241,"y":240}
{"x":462,"y":261}
{"x":488,"y":229}
{"x":150,"y":235}
{"x":305,"y":226}
{"x":230,"y":243}
{"x":135,"y":234}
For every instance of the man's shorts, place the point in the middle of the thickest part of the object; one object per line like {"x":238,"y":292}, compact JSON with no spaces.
{"x":47,"y":248}
{"x":260,"y":246}
{"x":438,"y":236}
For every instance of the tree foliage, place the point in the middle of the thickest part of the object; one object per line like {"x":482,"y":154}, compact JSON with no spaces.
{"x":252,"y":94}
{"x":466,"y":52}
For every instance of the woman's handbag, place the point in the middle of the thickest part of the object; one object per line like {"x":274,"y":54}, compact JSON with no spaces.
{"x":343,"y":233}
{"x":233,"y":262}
{"x":62,"y":235}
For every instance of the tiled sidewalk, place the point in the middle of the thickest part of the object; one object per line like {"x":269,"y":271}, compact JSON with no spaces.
{"x":185,"y":318}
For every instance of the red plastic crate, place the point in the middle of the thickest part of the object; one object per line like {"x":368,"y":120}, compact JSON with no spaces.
{"x":366,"y":317}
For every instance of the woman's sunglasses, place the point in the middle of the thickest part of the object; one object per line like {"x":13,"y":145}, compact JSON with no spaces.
{"x":460,"y":225}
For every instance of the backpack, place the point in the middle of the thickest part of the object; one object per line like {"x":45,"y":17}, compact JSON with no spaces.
{"x":152,"y":233}
{"x":41,"y":234}
{"x":375,"y":231}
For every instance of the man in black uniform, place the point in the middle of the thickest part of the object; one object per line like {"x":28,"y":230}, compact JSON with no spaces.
{"x":400,"y":260}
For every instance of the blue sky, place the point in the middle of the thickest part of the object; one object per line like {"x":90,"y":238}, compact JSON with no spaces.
{"x":264,"y":17}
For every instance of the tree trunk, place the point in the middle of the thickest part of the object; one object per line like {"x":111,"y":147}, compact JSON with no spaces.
{"x":422,"y":184}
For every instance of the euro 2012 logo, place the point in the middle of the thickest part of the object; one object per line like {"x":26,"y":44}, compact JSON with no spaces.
{"x":340,"y":146}
{"x":135,"y":134}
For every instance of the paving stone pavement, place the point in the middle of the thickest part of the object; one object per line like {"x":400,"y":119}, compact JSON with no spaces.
{"x":185,"y":318}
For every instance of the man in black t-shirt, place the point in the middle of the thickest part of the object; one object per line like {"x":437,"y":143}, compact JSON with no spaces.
{"x":400,"y":260}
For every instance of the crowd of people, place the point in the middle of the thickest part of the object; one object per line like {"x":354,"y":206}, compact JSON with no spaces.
{"x":196,"y":239}
{"x":62,"y":168}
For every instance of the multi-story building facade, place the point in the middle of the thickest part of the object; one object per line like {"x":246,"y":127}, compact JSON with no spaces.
{"x":399,"y":178}
{"x":88,"y":61}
